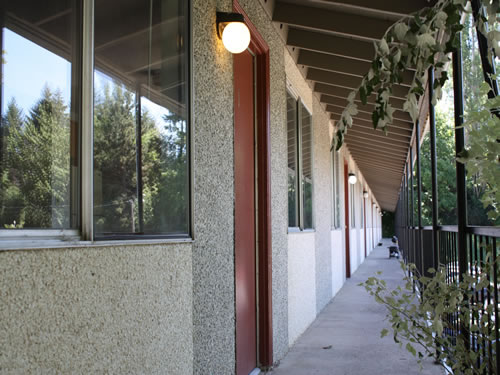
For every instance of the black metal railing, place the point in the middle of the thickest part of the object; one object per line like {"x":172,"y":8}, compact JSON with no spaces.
{"x":417,"y":248}
{"x":460,"y":250}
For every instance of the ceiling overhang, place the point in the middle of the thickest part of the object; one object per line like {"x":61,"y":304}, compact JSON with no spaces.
{"x":332,"y":44}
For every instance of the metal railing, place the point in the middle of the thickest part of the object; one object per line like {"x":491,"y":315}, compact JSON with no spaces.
{"x":417,"y":247}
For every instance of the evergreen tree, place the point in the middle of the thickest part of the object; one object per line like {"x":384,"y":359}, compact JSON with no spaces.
{"x":37,"y":163}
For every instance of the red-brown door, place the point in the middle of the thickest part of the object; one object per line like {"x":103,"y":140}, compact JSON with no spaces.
{"x":245,"y":250}
{"x":347,"y":223}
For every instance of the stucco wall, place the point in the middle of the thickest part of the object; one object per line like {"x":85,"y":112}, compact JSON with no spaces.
{"x":322,"y":200}
{"x":121,"y":309}
{"x":301,"y":283}
{"x":213,"y":248}
{"x":338,"y":260}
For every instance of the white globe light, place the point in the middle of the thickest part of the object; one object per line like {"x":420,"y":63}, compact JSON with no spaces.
{"x":236,"y":37}
{"x":352,"y":178}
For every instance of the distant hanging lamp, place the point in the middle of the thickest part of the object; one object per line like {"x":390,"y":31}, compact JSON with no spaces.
{"x":352,"y":178}
{"x":232,"y":30}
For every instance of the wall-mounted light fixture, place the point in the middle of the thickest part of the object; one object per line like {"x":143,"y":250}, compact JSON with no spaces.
{"x":232,"y":30}
{"x":365,"y":194}
{"x":352,"y":178}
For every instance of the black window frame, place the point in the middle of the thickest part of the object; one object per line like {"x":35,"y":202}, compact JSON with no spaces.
{"x":300,"y":182}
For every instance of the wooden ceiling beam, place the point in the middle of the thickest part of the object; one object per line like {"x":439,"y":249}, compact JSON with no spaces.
{"x":388,"y":6}
{"x":332,"y":44}
{"x":382,"y":155}
{"x":346,"y":24}
{"x":342,"y":64}
{"x":363,"y":108}
{"x":335,"y":115}
{"x":376,"y":143}
{"x":343,"y":92}
{"x":376,"y":147}
{"x":347,"y":81}
{"x":362,"y":125}
{"x":380,"y":161}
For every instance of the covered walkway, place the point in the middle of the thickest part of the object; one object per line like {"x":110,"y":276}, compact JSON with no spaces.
{"x":345,"y":338}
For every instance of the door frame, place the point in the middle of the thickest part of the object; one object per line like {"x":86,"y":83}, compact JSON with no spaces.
{"x":260,"y":49}
{"x":347,"y":222}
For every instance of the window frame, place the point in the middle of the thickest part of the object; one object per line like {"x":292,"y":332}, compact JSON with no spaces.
{"x":299,"y":178}
{"x":85,"y":234}
{"x":352,"y":203}
{"x":335,"y":160}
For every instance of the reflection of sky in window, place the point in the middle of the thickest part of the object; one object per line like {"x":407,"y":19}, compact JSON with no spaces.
{"x":28,"y":68}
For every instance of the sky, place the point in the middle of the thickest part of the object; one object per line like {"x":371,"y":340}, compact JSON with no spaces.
{"x":24,"y":61}
{"x":29,"y":67}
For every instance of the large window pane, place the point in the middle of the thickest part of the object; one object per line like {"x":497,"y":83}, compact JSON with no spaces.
{"x":291,"y":118}
{"x":141,"y":163}
{"x":335,"y":189}
{"x":39,"y":114}
{"x":306,"y":158}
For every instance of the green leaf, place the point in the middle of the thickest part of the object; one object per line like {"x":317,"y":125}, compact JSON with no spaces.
{"x":383,"y":333}
{"x":411,"y":349}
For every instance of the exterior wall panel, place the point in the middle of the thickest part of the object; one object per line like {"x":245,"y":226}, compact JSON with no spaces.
{"x":97,"y":310}
{"x":301,"y":283}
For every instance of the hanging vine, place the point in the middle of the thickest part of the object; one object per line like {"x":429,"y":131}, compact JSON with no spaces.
{"x":417,"y":42}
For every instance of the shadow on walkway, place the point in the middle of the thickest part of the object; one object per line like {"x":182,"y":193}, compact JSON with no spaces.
{"x":345,"y":338}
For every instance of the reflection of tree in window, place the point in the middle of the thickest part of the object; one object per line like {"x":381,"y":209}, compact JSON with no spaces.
{"x":291,"y":113}
{"x":141,"y":181}
{"x":39,"y":115}
{"x":306,"y":158}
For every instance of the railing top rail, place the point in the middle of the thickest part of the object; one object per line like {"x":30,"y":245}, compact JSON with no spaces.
{"x":448,"y":228}
{"x":484,"y":231}
{"x":477,"y":230}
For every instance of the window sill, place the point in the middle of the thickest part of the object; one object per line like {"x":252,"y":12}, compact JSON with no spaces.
{"x":66,"y":244}
{"x":295,"y":230}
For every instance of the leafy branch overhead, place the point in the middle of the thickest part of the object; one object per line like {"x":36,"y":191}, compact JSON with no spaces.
{"x":417,"y":42}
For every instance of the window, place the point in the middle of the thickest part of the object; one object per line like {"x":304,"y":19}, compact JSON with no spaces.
{"x":335,"y":189}
{"x":140,"y":123}
{"x":300,"y":179}
{"x":140,"y":118}
{"x":40,"y":115}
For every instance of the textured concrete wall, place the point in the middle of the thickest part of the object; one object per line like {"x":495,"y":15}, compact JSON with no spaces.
{"x":301,"y":283}
{"x":96,"y":310}
{"x":213,"y":248}
{"x":338,"y":260}
{"x":322,"y":196}
{"x":353,"y":246}
{"x":213,"y":253}
{"x":297,"y":82}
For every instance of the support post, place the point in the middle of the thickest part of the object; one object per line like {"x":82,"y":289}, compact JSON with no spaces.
{"x":419,"y":194}
{"x":486,"y":62}
{"x":432,"y":130}
{"x":461,"y":175}
{"x":411,"y":232}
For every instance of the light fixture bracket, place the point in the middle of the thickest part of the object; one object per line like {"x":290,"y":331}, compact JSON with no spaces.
{"x":223,"y":18}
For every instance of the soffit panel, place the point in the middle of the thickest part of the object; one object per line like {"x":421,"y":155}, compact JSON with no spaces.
{"x":332,"y":43}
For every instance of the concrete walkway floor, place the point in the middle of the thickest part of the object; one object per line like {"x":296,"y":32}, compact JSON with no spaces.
{"x":345,"y":338}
